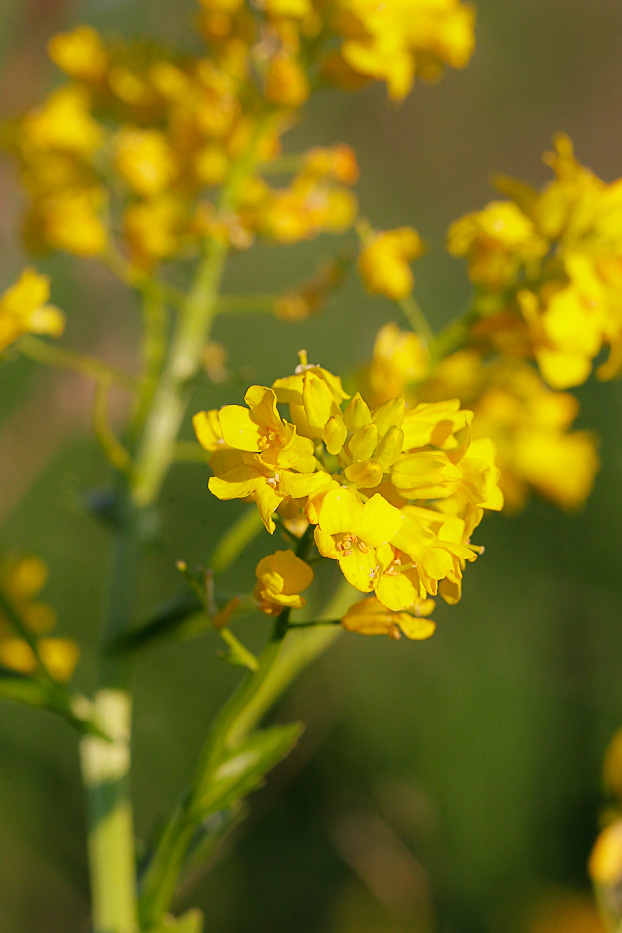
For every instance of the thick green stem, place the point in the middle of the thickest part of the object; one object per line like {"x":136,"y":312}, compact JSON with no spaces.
{"x":106,"y":764}
{"x":106,"y":769}
{"x":170,"y":401}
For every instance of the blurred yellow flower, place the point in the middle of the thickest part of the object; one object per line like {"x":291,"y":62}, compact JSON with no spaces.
{"x":370,"y":617}
{"x":24,"y":309}
{"x":81,"y":54}
{"x":384,"y":261}
{"x":21,"y":579}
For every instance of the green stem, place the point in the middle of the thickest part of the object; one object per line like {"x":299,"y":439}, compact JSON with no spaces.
{"x":105,"y":770}
{"x":279,"y":664}
{"x":155,"y":327}
{"x":417,"y":319}
{"x":106,"y":764}
{"x":171,"y":398}
{"x":61,"y":358}
{"x":247,"y":304}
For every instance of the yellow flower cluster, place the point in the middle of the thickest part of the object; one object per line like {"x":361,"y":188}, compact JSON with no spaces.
{"x":21,"y":579}
{"x":394,"y":494}
{"x":24,"y":309}
{"x":395,"y":41}
{"x":134,"y":144}
{"x":529,"y":423}
{"x":155,"y":135}
{"x":549,"y":264}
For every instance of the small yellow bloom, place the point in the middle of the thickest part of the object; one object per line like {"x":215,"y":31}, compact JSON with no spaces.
{"x":286,"y":83}
{"x":384,"y":262}
{"x":155,"y":229}
{"x":393,"y":42}
{"x":21,"y":579}
{"x":370,"y":617}
{"x":24,"y":309}
{"x":260,"y":429}
{"x":80,"y":53}
{"x":605,"y":865}
{"x":69,"y":220}
{"x":63,"y":123}
{"x":353,"y":533}
{"x":497,"y":241}
{"x":144,"y":159}
{"x":399,"y":360}
{"x":281,"y":577}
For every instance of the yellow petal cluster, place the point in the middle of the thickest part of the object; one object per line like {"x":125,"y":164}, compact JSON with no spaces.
{"x":21,"y":579}
{"x":125,"y":155}
{"x":548,"y":263}
{"x":370,"y":617}
{"x":393,"y":42}
{"x":384,"y":262}
{"x":529,"y":423}
{"x":394,"y":495}
{"x":24,"y":309}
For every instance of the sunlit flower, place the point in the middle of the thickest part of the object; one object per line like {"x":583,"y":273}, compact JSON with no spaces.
{"x":281,"y":578}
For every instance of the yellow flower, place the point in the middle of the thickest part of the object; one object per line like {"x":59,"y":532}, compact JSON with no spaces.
{"x":144,"y":159}
{"x":391,"y":42}
{"x":80,"y":53}
{"x":605,"y":865}
{"x":239,"y":476}
{"x":353,"y":533}
{"x":286,"y":84}
{"x":528,"y":423}
{"x":69,"y":220}
{"x":399,"y":359}
{"x":370,"y":617}
{"x":60,"y":656}
{"x":207,"y":429}
{"x":260,"y":429}
{"x":281,"y":577}
{"x":21,"y":580}
{"x":24,"y":309}
{"x":155,"y":229}
{"x":313,"y":394}
{"x":497,"y":241}
{"x":63,"y":123}
{"x":384,"y":262}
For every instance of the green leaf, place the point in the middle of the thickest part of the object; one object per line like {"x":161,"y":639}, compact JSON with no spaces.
{"x":209,"y":836}
{"x":191,"y":922}
{"x":243,"y":771}
{"x":166,"y":622}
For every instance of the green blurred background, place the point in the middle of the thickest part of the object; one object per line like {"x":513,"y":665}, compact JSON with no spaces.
{"x":456,"y":779}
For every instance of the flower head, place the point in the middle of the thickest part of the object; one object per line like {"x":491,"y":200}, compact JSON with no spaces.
{"x":281,"y":578}
{"x":24,"y":309}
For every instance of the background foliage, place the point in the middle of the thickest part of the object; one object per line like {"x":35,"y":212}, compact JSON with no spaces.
{"x":456,"y":777}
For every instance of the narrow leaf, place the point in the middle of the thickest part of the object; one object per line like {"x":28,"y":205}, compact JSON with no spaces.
{"x":243,"y":771}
